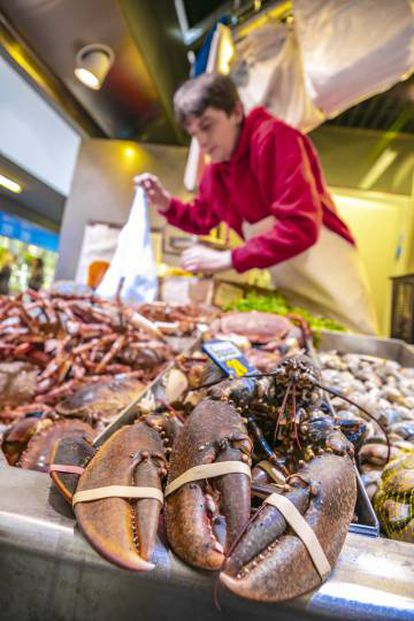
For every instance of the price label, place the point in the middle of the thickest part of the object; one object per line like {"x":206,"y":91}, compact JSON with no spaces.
{"x":229,"y":358}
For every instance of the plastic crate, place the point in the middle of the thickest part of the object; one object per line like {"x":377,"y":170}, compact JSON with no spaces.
{"x":402,"y":314}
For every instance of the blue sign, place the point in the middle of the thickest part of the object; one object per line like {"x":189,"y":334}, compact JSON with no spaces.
{"x":229,"y":358}
{"x":27,"y":232}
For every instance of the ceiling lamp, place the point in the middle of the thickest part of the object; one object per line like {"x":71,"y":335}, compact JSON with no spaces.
{"x":10,"y":185}
{"x":93,"y":63}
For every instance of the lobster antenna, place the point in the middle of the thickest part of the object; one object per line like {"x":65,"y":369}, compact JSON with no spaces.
{"x":282,"y":410}
{"x":330,"y":390}
{"x":294,"y":418}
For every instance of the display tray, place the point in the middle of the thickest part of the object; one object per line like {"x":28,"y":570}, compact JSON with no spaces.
{"x":367,"y":523}
{"x":392,"y":349}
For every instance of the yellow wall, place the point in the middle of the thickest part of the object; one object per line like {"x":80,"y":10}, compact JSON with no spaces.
{"x":382,"y":225}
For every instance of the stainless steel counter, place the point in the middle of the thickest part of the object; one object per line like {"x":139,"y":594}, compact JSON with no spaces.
{"x":393,"y":349}
{"x":49,"y":572}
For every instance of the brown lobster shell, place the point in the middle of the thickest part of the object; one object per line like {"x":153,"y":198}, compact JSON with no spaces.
{"x":124,"y":530}
{"x":270,"y":563}
{"x":213,"y":432}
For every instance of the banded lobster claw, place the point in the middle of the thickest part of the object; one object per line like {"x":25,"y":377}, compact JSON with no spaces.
{"x":270,"y":562}
{"x":122,"y":526}
{"x":204,"y":515}
{"x":69,"y":456}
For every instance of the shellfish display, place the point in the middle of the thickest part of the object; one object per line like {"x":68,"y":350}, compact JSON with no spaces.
{"x":229,"y":474}
{"x":250,"y":477}
{"x":386,"y":390}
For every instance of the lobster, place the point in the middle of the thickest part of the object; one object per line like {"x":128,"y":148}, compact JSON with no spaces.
{"x":250,"y":448}
{"x":122,"y":526}
{"x":116,"y":489}
{"x":300,"y":458}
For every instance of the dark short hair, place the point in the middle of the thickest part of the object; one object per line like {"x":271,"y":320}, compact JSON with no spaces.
{"x":209,"y":89}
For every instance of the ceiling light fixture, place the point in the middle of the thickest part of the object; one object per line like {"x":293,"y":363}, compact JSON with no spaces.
{"x":7,"y":183}
{"x":93,"y":63}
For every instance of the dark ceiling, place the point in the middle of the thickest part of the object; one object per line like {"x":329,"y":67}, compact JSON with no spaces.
{"x":150,"y":61}
{"x":389,"y":111}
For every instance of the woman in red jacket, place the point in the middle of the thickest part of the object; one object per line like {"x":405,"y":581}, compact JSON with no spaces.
{"x":266,"y":183}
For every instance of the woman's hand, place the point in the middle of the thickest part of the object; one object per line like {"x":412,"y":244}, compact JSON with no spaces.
{"x":157,"y":195}
{"x":199,"y":258}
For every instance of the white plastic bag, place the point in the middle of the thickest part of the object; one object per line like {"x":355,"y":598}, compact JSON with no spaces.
{"x":133,"y":261}
{"x":99,"y":243}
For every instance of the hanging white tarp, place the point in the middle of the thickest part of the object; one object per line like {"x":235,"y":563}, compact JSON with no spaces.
{"x":334,"y":54}
{"x":353,"y":49}
{"x":268,"y":71}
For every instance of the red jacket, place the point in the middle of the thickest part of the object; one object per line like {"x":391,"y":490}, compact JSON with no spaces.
{"x":274,"y":170}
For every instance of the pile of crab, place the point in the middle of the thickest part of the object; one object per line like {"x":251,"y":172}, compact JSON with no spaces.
{"x":72,"y":363}
{"x":178,"y":319}
{"x":255,"y":479}
{"x":72,"y":339}
{"x":264,"y":338}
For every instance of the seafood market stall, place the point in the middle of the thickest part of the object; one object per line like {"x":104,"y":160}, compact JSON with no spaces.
{"x":51,"y":566}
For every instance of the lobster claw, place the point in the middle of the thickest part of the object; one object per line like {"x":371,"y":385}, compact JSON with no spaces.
{"x":39,"y":451}
{"x":204,"y":516}
{"x":123,"y":528}
{"x":69,"y":457}
{"x":270,"y":562}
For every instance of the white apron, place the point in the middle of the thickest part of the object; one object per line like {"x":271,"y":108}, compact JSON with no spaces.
{"x":328,"y":279}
